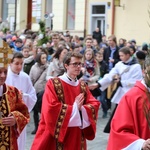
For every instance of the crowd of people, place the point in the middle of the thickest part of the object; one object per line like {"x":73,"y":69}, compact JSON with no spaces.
{"x":64,"y":80}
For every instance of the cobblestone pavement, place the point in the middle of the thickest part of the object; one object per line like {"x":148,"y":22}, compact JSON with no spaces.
{"x":99,"y":143}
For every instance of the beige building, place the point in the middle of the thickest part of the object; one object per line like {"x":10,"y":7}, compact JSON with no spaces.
{"x":127,"y":19}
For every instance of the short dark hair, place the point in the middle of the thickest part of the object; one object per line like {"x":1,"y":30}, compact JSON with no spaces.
{"x":133,"y":48}
{"x":141,"y":55}
{"x":19,"y":40}
{"x":68,"y":56}
{"x":125,"y":50}
{"x":88,"y":39}
{"x":16,"y":55}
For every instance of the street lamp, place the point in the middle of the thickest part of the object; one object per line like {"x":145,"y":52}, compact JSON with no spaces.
{"x":15,"y":22}
{"x":51,"y":15}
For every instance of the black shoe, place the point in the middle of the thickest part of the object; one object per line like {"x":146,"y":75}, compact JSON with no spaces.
{"x":34,"y":131}
{"x":104,"y":115}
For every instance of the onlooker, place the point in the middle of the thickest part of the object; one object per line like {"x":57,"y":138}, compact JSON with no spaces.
{"x":133,"y":42}
{"x":56,"y":67}
{"x":88,"y":44}
{"x":145,"y":48}
{"x":140,"y":55}
{"x":132,"y":50}
{"x":129,"y":44}
{"x":111,"y":54}
{"x":38,"y":78}
{"x":29,"y":60}
{"x":97,"y":35}
{"x":69,"y":111}
{"x":96,"y":45}
{"x":90,"y":70}
{"x":76,"y":48}
{"x":55,"y":41}
{"x":18,"y":44}
{"x":104,"y":43}
{"x":122,"y":43}
{"x":9,"y":40}
{"x":103,"y":70}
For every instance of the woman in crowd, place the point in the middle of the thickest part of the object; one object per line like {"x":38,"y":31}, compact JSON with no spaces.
{"x":38,"y":78}
{"x":90,"y":70}
{"x":29,"y":60}
{"x":56,"y":67}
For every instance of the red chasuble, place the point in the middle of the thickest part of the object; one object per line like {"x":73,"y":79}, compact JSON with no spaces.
{"x":53,"y":131}
{"x":11,"y":102}
{"x":129,"y":122}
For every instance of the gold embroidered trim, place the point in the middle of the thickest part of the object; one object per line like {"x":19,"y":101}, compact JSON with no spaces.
{"x":59,"y":89}
{"x":93,"y":112}
{"x":83,"y":88}
{"x":4,"y":130}
{"x":82,"y":141}
{"x":60,"y":93}
{"x":60,"y":120}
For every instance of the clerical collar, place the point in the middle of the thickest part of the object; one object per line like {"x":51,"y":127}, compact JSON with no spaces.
{"x":70,"y":78}
{"x":67,"y":80}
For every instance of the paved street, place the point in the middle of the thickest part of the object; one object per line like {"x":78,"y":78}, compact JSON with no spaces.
{"x":99,"y":143}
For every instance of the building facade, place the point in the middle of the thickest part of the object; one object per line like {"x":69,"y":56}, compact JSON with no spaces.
{"x":127,"y":19}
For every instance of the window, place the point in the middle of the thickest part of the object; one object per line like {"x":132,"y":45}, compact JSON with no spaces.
{"x":4,"y":10}
{"x":98,"y":9}
{"x":36,"y":10}
{"x":71,"y":15}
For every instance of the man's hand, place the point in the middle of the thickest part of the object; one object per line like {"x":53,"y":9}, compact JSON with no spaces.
{"x":79,"y":100}
{"x":116,"y":80}
{"x":93,"y":86}
{"x":111,"y":60}
{"x":146,"y":145}
{"x":9,"y":121}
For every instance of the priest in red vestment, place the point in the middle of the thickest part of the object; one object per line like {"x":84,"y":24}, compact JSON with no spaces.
{"x":69,"y":111}
{"x":130,"y":127}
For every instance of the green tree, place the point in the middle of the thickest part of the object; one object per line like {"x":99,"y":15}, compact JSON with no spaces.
{"x":45,"y":39}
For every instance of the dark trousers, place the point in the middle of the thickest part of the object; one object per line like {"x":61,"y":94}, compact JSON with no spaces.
{"x":37,"y":109}
{"x":108,"y":125}
{"x":102,"y":99}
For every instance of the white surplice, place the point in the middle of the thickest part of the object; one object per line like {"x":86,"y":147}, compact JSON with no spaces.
{"x":129,"y":75}
{"x":23,"y":83}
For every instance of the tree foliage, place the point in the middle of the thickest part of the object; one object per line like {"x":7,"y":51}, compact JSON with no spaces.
{"x":42,"y":31}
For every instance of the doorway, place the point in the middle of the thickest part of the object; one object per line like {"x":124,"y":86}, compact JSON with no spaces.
{"x":100,"y":23}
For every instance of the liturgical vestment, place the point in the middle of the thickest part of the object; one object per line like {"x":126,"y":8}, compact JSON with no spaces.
{"x":129,"y":127}
{"x":12,"y":103}
{"x":55,"y":130}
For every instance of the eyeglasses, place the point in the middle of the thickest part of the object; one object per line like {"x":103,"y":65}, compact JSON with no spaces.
{"x":76,"y":64}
